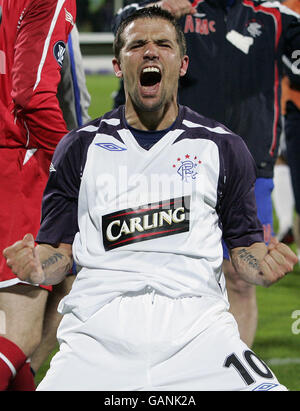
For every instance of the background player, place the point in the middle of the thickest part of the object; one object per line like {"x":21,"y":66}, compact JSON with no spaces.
{"x":291,"y":108}
{"x":74,"y":100}
{"x":235,"y":49}
{"x":33,"y":35}
{"x":286,"y":171}
{"x":148,"y":310}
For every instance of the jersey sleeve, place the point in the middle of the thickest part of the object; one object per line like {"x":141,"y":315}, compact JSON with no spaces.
{"x":39,"y":51}
{"x":73,"y":95}
{"x":238,"y":213}
{"x":59,"y":222}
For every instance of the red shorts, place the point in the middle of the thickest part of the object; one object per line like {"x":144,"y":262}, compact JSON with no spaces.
{"x":22,"y":182}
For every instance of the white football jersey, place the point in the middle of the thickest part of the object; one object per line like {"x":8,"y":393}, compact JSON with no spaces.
{"x":149,"y":218}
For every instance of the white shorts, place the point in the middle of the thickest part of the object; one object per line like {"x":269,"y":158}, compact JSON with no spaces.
{"x":149,"y":342}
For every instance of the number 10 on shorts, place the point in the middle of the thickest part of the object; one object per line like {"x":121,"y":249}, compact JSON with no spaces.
{"x":255,"y":363}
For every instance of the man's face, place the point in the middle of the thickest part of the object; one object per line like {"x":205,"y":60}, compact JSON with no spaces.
{"x":150,"y":63}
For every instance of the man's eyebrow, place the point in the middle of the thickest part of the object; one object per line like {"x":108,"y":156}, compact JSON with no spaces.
{"x":163,"y":41}
{"x":136,"y":42}
{"x":141,"y":42}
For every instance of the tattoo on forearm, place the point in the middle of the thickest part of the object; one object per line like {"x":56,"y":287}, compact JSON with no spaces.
{"x":53,"y":259}
{"x":248,"y":258}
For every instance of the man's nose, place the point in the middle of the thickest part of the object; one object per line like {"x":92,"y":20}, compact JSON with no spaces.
{"x":151,"y":52}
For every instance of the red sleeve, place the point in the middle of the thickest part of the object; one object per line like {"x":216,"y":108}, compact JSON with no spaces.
{"x":39,"y":51}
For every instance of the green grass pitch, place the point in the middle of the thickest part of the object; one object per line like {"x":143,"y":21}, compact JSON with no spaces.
{"x":277,"y":340}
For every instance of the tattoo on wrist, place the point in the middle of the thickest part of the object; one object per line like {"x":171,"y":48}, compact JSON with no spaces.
{"x":248,"y":258}
{"x":53,"y":259}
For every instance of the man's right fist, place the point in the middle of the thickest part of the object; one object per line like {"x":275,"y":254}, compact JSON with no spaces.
{"x":22,"y":257}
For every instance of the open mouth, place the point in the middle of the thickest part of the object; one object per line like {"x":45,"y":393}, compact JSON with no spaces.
{"x":150,"y":76}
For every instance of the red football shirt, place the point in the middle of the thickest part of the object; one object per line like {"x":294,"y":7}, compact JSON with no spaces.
{"x":33,"y":34}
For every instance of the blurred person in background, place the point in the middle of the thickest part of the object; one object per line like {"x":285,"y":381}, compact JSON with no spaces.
{"x":287,"y":172}
{"x":33,"y":37}
{"x":74,"y":100}
{"x":291,"y":111}
{"x":95,"y":15}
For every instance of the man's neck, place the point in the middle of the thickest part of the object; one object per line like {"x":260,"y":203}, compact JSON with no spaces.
{"x":151,"y":120}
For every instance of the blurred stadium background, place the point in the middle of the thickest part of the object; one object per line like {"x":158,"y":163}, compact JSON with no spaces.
{"x":94,"y":24}
{"x":278,"y":335}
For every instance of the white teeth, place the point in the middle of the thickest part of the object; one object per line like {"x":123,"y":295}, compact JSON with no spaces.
{"x":151,"y":70}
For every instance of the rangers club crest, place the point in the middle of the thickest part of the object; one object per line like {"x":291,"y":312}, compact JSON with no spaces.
{"x":254,"y":28}
{"x":187,"y":167}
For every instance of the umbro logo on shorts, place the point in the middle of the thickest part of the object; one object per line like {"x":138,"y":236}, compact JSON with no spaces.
{"x":265,"y":387}
{"x":146,"y":222}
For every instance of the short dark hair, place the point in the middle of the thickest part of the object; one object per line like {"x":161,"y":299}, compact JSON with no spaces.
{"x":150,"y":13}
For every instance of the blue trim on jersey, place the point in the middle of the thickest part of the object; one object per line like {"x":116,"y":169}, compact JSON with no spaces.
{"x":75,"y":82}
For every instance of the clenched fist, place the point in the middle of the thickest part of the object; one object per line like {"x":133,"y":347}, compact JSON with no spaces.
{"x":22,"y":257}
{"x":279,"y":261}
{"x":263,"y":265}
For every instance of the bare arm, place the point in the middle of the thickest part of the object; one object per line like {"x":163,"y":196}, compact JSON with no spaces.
{"x":262,"y":265}
{"x":41,"y":264}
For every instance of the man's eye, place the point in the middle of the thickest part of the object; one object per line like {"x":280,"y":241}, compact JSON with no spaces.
{"x":166,"y":45}
{"x":136,"y":46}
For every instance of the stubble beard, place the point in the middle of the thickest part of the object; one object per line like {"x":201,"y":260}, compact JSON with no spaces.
{"x":141,"y":107}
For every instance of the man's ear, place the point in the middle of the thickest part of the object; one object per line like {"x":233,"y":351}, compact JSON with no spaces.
{"x":184,"y":66}
{"x":117,"y":67}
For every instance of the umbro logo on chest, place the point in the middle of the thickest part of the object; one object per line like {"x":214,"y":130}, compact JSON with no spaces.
{"x":111,"y":147}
